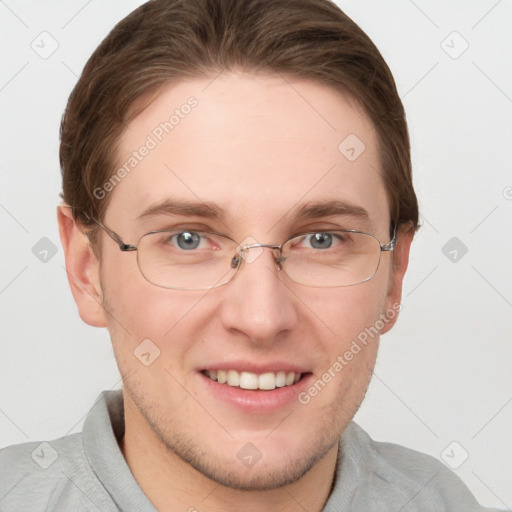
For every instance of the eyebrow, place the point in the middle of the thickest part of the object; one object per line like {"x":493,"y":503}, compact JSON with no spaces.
{"x":180,"y":207}
{"x":311,"y":210}
{"x":317,"y":209}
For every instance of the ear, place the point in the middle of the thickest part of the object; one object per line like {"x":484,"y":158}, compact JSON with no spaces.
{"x":82,"y":268}
{"x":400,"y":260}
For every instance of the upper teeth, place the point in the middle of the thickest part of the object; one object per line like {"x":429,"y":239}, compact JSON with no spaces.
{"x":248,"y":380}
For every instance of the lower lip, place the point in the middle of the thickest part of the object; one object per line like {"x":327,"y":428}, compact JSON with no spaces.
{"x":256,"y":400}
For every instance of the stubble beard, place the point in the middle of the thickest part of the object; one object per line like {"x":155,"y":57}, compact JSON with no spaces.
{"x":177,"y":441}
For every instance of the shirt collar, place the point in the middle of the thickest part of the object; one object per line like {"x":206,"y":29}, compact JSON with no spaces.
{"x":102,"y":430}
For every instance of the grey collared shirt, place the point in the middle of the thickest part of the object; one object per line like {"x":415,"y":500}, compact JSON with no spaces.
{"x":87,"y":472}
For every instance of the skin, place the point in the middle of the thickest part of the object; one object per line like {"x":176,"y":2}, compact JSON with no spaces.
{"x":256,"y":148}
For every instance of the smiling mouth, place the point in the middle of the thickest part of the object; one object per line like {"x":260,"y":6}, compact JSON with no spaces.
{"x":253,"y":381}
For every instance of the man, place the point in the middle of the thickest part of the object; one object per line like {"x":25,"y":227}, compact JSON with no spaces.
{"x":238,"y":211}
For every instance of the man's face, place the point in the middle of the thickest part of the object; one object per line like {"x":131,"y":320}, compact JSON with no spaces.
{"x":259,"y":148}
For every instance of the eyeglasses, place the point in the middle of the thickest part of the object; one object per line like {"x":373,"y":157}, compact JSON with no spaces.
{"x":185,"y":259}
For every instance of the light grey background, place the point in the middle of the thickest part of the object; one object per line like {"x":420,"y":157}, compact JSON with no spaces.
{"x":444,"y":372}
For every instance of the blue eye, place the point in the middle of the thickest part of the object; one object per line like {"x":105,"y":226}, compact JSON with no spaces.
{"x":188,"y":240}
{"x":321,"y":240}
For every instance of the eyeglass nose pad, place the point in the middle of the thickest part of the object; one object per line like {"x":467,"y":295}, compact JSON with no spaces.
{"x":235,"y":262}
{"x":279,"y":259}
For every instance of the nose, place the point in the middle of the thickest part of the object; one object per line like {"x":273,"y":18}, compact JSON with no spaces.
{"x":257,"y":302}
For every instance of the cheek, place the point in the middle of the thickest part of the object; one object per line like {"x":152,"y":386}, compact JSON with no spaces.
{"x":353,"y":315}
{"x":139,"y":311}
{"x":350,"y":310}
{"x":348,"y":356}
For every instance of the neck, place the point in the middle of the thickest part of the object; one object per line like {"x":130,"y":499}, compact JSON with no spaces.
{"x":173,"y":485}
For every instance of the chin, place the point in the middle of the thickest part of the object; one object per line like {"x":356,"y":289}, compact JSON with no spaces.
{"x":269,"y":472}
{"x":280,"y":461}
{"x":284,"y":456}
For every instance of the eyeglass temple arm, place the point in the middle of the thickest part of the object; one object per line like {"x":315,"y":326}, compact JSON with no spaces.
{"x":392,"y":243}
{"x":117,"y":239}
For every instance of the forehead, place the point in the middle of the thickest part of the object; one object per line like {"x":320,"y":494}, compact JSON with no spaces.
{"x":258,"y":146}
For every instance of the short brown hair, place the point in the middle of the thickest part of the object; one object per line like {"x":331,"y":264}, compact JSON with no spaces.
{"x":165,"y":41}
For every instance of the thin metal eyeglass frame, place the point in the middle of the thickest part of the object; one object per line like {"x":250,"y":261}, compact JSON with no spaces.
{"x":124,"y":247}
